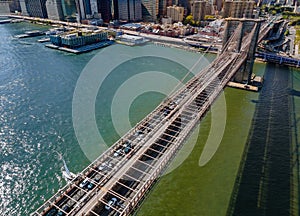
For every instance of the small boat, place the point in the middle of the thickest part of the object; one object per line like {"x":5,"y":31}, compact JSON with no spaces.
{"x":34,"y":33}
{"x":68,"y":176}
{"x":44,"y":39}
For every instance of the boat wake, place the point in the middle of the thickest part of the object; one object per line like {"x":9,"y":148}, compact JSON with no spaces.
{"x":67,"y":175}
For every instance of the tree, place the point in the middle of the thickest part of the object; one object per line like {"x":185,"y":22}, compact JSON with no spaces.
{"x":209,"y":17}
{"x":189,"y":20}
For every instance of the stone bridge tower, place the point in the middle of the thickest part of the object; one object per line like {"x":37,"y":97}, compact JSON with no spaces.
{"x":247,"y":25}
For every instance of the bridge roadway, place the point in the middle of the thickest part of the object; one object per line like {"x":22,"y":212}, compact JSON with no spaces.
{"x":279,"y":59}
{"x":126,"y":170}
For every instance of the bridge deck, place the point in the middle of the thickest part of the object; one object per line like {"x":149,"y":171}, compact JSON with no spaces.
{"x":127,"y":169}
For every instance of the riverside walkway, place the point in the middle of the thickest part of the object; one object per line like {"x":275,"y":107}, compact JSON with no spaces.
{"x":116,"y":182}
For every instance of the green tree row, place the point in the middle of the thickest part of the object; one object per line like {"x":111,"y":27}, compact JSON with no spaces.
{"x":190,"y":20}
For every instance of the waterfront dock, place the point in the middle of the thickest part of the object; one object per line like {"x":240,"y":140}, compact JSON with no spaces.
{"x":243,"y":86}
{"x":28,"y":34}
{"x":81,"y":49}
{"x":5,"y":21}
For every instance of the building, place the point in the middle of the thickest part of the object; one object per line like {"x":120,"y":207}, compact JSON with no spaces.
{"x":14,"y":6}
{"x":184,"y":3}
{"x":69,"y":9}
{"x":149,"y":10}
{"x":4,"y":7}
{"x":135,"y":10}
{"x":105,"y":9}
{"x":289,"y":2}
{"x":162,"y":7}
{"x":131,"y":40}
{"x":175,"y":13}
{"x":218,"y":5}
{"x":281,"y":2}
{"x":199,"y":10}
{"x":35,"y":8}
{"x":78,"y":39}
{"x":130,"y":10}
{"x":238,"y":8}
{"x":23,"y":8}
{"x":123,"y":10}
{"x":83,"y":9}
{"x":94,"y":7}
{"x":54,"y":10}
{"x":166,"y":20}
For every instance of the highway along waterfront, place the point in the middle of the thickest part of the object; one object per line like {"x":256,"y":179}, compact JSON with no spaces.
{"x":37,"y":86}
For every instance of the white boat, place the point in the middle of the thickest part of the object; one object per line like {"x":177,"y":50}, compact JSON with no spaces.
{"x":68,"y":176}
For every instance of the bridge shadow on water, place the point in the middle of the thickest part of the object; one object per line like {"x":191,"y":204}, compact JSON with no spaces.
{"x":263,"y":185}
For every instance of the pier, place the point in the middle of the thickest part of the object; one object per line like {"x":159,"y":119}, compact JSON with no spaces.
{"x":117,"y":181}
{"x":5,"y":21}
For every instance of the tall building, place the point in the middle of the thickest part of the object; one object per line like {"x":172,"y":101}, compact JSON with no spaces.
{"x":198,"y":9}
{"x":114,"y":10}
{"x":69,"y":8}
{"x":83,"y":9}
{"x":218,"y":5}
{"x":162,"y":8}
{"x":184,"y":3}
{"x":123,"y":9}
{"x":104,"y":8}
{"x":14,"y":5}
{"x":176,"y":13}
{"x":23,"y":8}
{"x":36,"y":8}
{"x":130,"y":10}
{"x":94,"y":7}
{"x":4,"y":7}
{"x":238,"y":8}
{"x":149,"y":10}
{"x":54,"y":9}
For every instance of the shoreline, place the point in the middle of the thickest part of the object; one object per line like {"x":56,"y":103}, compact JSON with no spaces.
{"x":156,"y":39}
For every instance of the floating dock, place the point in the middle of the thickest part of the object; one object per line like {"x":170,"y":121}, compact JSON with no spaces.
{"x":5,"y":21}
{"x":30,"y":34}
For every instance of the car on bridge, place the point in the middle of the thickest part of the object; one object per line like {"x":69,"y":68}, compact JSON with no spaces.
{"x":127,"y":147}
{"x":84,"y":183}
{"x":111,"y":203}
{"x":105,"y":167}
{"x":65,"y":209}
